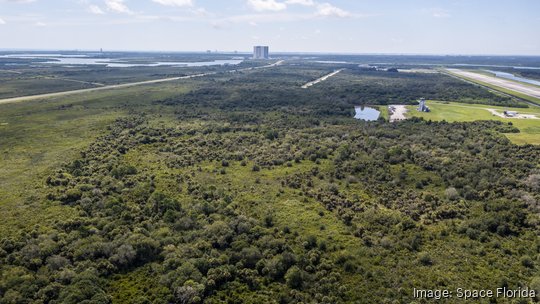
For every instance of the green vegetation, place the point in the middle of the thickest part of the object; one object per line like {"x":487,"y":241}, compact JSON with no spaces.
{"x":369,"y":86}
{"x":245,"y":188}
{"x":34,"y":80}
{"x":529,"y":129}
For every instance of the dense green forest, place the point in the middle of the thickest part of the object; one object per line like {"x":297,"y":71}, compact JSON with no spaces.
{"x":281,"y":87}
{"x":248,"y":189}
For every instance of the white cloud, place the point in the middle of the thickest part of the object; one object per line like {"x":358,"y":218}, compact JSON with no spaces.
{"x":21,"y":1}
{"x":201,"y":12}
{"x":301,"y":2}
{"x":440,"y":13}
{"x":267,"y":5}
{"x":328,"y":10}
{"x":117,"y":6}
{"x":179,"y":3}
{"x":94,"y":9}
{"x":261,"y":18}
{"x":2,"y":21}
{"x":40,"y":24}
{"x":321,"y":9}
{"x":436,"y":12}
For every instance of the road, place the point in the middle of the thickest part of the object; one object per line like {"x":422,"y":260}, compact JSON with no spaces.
{"x":312,"y":83}
{"x":125,"y":85}
{"x":503,"y":83}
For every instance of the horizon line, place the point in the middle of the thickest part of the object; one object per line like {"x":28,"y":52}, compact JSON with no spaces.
{"x":251,"y":52}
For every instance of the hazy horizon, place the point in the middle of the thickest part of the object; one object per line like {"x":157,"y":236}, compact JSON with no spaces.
{"x":418,"y":27}
{"x":244,"y":52}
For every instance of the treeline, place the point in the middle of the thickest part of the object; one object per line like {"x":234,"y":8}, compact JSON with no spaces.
{"x":281,"y":87}
{"x":364,"y":86}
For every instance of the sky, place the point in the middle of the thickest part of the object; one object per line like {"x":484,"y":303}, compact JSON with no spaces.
{"x":492,"y":27}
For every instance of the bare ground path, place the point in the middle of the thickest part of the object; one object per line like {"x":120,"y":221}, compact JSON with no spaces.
{"x":325,"y":77}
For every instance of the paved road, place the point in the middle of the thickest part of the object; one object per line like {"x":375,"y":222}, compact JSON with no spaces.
{"x":503,"y":83}
{"x":325,"y":77}
{"x":124,"y":85}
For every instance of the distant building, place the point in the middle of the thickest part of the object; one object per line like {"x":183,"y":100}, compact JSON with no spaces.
{"x":261,"y":52}
{"x":422,"y":107}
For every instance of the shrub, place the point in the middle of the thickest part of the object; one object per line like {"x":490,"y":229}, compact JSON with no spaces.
{"x":526,"y":261}
{"x":294,"y":277}
{"x":451,"y":194}
{"x":425,"y":259}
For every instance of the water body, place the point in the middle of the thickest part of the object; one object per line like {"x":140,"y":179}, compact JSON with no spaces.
{"x":514,"y":77}
{"x":34,"y":56}
{"x":366,"y":113}
{"x":335,"y":62}
{"x":176,"y":63}
{"x":458,"y":65}
{"x":115,"y":63}
{"x":497,"y":66}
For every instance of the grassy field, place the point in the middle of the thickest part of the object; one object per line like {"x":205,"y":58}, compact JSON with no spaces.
{"x":453,"y":111}
{"x":38,"y":136}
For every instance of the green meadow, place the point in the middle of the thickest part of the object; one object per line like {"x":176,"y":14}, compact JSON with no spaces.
{"x":38,"y":136}
{"x":453,"y":111}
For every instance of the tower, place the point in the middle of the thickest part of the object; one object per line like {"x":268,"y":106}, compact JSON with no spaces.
{"x":422,"y":105}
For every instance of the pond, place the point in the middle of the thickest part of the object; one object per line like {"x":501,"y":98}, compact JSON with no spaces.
{"x":366,"y":113}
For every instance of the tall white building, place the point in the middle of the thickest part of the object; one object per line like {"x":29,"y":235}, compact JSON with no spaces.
{"x":260,"y":52}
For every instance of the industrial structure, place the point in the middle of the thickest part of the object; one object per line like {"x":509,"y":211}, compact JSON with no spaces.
{"x":260,"y":52}
{"x":422,"y":107}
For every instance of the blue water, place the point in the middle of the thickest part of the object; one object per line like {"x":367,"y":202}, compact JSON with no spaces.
{"x":336,"y":62}
{"x":115,"y":63}
{"x":514,"y":77}
{"x":366,"y":113}
{"x":496,"y":66}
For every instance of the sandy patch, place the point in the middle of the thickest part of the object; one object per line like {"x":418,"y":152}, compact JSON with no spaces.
{"x":518,"y":116}
{"x":397,"y":112}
